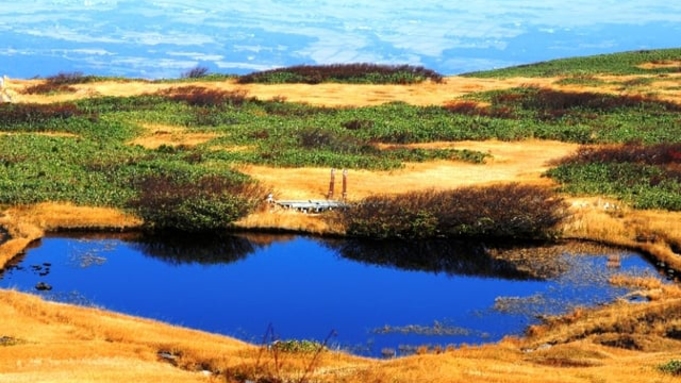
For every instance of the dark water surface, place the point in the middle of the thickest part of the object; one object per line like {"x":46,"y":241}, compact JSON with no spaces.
{"x":374,"y":295}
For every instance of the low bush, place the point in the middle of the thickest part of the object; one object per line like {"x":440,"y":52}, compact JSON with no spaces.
{"x":344,"y":73}
{"x":472,"y":108}
{"x":551,"y":101}
{"x":357,"y":124}
{"x":30,"y":115}
{"x":196,"y":72}
{"x":503,"y":211}
{"x":317,"y":139}
{"x":60,"y":83}
{"x":182,"y":203}
{"x":200,"y":96}
{"x":672,"y":367}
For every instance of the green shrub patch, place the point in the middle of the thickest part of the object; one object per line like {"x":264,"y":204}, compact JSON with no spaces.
{"x":204,"y":204}
{"x":647,"y":176}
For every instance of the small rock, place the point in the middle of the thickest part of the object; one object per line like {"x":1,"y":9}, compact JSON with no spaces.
{"x":388,"y":353}
{"x":42,"y":286}
{"x":168,"y":356}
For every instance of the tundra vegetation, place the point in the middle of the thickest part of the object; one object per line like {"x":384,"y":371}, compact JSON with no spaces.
{"x":86,"y":152}
{"x":87,"y":158}
{"x":361,"y":73}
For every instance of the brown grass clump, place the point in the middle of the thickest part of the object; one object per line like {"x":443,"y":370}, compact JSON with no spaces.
{"x":656,"y":154}
{"x":651,"y":326}
{"x":277,"y":219}
{"x":499,"y":211}
{"x":472,"y":108}
{"x":577,"y":355}
{"x":59,"y":83}
{"x":661,"y":64}
{"x":657,"y":233}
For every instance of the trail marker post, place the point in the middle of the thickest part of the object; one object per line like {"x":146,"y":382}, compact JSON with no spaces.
{"x":345,"y":184}
{"x":332,"y":184}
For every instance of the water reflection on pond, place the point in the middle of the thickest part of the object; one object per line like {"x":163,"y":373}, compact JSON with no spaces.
{"x":375,"y":295}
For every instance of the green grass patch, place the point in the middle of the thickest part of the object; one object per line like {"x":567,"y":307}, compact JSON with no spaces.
{"x":673,"y":367}
{"x":625,"y":63}
{"x":580,"y":79}
{"x":646,"y":176}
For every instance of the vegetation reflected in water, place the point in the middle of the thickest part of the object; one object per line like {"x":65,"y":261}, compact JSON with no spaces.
{"x":457,"y":257}
{"x":376,"y":295}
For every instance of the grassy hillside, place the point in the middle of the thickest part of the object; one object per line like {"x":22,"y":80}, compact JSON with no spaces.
{"x":660,"y":61}
{"x":81,"y":146}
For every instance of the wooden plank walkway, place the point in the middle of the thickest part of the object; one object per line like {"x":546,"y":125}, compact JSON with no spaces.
{"x":317,"y":206}
{"x":309,"y":206}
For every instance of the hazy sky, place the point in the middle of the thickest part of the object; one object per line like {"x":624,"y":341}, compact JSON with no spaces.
{"x":163,"y":38}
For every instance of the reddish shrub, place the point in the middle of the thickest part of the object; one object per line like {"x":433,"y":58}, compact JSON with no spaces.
{"x":200,"y":96}
{"x":36,"y":113}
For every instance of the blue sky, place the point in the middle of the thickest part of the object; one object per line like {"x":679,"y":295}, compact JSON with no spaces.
{"x":163,"y":38}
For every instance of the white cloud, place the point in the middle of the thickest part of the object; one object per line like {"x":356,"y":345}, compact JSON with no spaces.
{"x":243,"y":65}
{"x":321,"y":31}
{"x":198,"y":56}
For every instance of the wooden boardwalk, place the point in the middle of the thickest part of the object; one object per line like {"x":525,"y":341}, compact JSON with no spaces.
{"x":316,"y":206}
{"x":309,"y":206}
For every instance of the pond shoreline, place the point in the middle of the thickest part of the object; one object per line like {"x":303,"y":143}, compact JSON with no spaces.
{"x":25,"y":225}
{"x":516,"y":284}
{"x":29,"y":224}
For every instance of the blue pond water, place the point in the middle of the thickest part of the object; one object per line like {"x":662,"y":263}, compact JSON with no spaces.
{"x":373,"y":295}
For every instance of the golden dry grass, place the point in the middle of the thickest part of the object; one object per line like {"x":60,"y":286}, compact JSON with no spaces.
{"x":337,"y":95}
{"x":654,"y":232}
{"x":523,"y":161}
{"x":158,"y":135}
{"x":62,"y":343}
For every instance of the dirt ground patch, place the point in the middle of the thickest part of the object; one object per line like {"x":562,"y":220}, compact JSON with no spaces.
{"x":169,"y":135}
{"x":331,"y":95}
{"x":523,"y":161}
